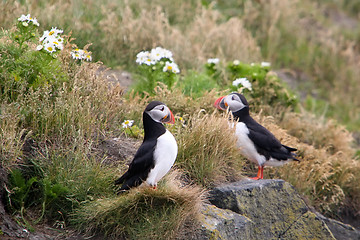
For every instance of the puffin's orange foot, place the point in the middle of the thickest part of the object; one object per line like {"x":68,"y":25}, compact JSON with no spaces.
{"x":260,"y":174}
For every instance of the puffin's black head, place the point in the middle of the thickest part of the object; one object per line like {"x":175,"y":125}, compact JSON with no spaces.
{"x":234,"y":101}
{"x":159,"y":112}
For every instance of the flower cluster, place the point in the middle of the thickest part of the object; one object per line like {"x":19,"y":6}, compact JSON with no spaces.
{"x":213,"y":61}
{"x":157,"y":55}
{"x":28,"y":19}
{"x":51,"y":40}
{"x":244,"y":82}
{"x":81,"y":54}
{"x":265,"y":64}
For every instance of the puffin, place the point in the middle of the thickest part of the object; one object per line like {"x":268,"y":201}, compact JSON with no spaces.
{"x":157,"y":153}
{"x":256,"y":143}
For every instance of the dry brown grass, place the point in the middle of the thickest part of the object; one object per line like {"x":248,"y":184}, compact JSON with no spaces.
{"x":208,"y":151}
{"x":319,"y":132}
{"x":144,"y":213}
{"x":326,"y":177}
{"x":201,"y":39}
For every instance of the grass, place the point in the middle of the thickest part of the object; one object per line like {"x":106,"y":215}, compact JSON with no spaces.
{"x":65,"y":120}
{"x":208,"y":152}
{"x":143,"y":212}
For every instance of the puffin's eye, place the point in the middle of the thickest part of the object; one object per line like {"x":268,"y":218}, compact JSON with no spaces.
{"x":162,"y":109}
{"x":233,"y":98}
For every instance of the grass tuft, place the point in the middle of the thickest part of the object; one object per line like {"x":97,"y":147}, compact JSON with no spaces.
{"x":208,"y":152}
{"x":143,"y":213}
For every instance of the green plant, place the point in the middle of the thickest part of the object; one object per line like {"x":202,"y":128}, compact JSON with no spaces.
{"x":263,"y":86}
{"x":23,"y":67}
{"x":132,"y":130}
{"x":194,"y":84}
{"x":155,"y":66}
{"x":33,"y":191}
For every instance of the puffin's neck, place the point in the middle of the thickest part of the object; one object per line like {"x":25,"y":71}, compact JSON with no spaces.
{"x":152,"y":129}
{"x":242,"y":114}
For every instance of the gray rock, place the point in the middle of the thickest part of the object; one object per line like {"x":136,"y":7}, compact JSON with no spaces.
{"x":219,"y":224}
{"x":340,"y":230}
{"x":273,"y":209}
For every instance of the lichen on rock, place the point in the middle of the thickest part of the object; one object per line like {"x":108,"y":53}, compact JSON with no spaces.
{"x":265,"y":209}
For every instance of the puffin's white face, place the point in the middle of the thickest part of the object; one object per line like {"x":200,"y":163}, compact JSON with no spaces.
{"x":161,"y":113}
{"x":233,"y":102}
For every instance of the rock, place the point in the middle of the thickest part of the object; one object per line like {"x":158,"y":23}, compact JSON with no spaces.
{"x":224,"y":224}
{"x":264,"y":209}
{"x":340,"y":230}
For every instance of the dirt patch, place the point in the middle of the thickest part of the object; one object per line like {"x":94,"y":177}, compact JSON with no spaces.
{"x":116,"y":76}
{"x":115,"y":150}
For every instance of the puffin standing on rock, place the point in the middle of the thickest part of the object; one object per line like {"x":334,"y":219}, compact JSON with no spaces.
{"x":255,"y":142}
{"x":157,"y":153}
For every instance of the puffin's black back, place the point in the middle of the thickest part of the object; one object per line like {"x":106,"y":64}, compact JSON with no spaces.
{"x":143,"y":160}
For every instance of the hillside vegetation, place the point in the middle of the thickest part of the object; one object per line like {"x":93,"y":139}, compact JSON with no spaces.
{"x":57,"y":108}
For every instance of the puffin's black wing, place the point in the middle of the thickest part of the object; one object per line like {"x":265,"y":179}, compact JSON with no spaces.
{"x":140,"y":166}
{"x":267,"y":144}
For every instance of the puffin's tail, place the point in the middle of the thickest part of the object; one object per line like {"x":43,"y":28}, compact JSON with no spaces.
{"x":121,"y":179}
{"x":291,"y":150}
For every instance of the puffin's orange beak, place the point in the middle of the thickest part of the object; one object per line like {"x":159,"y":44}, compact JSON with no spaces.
{"x":169,"y":118}
{"x":220,"y":104}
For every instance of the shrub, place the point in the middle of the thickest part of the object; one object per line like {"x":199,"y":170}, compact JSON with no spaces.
{"x":266,"y":88}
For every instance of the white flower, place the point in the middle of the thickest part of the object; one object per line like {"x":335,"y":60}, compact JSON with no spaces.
{"x":236,"y":62}
{"x":24,"y":18}
{"x":213,"y":60}
{"x":265,"y":64}
{"x":28,"y":19}
{"x":88,"y":58}
{"x":25,"y":24}
{"x":55,"y":31}
{"x":156,"y":54}
{"x":39,"y":47}
{"x":144,"y":57}
{"x":50,"y":47}
{"x":35,"y":22}
{"x":75,"y":55}
{"x":127,"y":123}
{"x":81,"y":54}
{"x":244,"y":82}
{"x":51,"y":39}
{"x":44,"y":36}
{"x":171,"y":67}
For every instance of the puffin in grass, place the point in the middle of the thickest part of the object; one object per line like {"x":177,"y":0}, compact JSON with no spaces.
{"x":157,"y":153}
{"x":256,"y":143}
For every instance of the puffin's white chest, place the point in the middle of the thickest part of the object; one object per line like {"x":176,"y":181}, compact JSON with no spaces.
{"x":164,"y":156}
{"x":245,"y":144}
